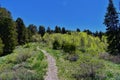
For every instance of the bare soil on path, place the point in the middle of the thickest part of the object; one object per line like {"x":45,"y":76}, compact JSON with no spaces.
{"x":52,"y":68}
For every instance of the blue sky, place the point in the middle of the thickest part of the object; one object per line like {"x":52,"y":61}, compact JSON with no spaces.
{"x":71,"y":14}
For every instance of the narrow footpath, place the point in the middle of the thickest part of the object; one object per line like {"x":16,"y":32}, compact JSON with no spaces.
{"x":52,"y":68}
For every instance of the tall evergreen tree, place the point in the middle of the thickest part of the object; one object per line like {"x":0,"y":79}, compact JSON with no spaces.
{"x":41,"y":30}
{"x":78,"y":30}
{"x":30,"y":34}
{"x":7,"y":31}
{"x":57,"y":29}
{"x":48,"y":30}
{"x":112,"y":23}
{"x":8,"y":34}
{"x":22,"y":31}
{"x":5,"y":13}
{"x":96,"y":34}
{"x":63,"y":30}
{"x":32,"y":28}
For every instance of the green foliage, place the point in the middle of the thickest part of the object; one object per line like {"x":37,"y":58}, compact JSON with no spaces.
{"x":70,"y":48}
{"x":56,"y":45}
{"x":26,"y":63}
{"x":86,"y":65}
{"x":63,"y":30}
{"x":41,"y":30}
{"x":36,"y":38}
{"x":7,"y":31}
{"x":90,"y":69}
{"x":8,"y":34}
{"x":49,"y":30}
{"x":33,"y":29}
{"x":57,"y":29}
{"x":88,"y":31}
{"x":79,"y":41}
{"x":4,"y":13}
{"x":1,"y":47}
{"x":78,"y":30}
{"x":22,"y":31}
{"x":113,"y":31}
{"x":29,"y":35}
{"x":83,"y":68}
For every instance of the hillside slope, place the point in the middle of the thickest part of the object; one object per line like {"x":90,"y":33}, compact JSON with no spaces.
{"x":25,"y":63}
{"x":85,"y":63}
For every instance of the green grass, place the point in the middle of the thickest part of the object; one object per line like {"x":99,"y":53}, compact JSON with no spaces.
{"x":62,"y":64}
{"x":25,"y":63}
{"x":66,"y":69}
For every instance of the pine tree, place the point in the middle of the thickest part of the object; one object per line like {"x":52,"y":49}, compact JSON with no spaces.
{"x":111,"y":21}
{"x":49,"y":30}
{"x":63,"y":30}
{"x":5,"y":13}
{"x":8,"y":34}
{"x":30,"y":34}
{"x":41,"y":30}
{"x":78,"y":30}
{"x":57,"y":29}
{"x":22,"y":31}
{"x":33,"y":29}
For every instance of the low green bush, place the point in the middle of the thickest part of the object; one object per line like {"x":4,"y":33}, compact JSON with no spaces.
{"x":90,"y":69}
{"x":68,"y":47}
{"x":56,"y":45}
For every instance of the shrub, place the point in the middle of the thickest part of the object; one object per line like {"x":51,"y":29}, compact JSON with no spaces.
{"x":72,"y":57}
{"x":22,"y":57}
{"x":36,"y":38}
{"x":68,"y":47}
{"x":27,"y":46}
{"x":90,"y":70}
{"x":114,"y":59}
{"x":20,"y":74}
{"x":56,"y":45}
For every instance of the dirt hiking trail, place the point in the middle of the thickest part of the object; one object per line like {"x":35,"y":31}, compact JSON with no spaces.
{"x":52,"y":68}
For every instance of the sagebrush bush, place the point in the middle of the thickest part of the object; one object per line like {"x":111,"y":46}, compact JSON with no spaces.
{"x":22,"y":57}
{"x":23,"y":64}
{"x":89,"y":69}
{"x":114,"y":59}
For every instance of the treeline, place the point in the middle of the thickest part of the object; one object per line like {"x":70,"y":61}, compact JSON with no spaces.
{"x":13,"y":33}
{"x":62,"y":30}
